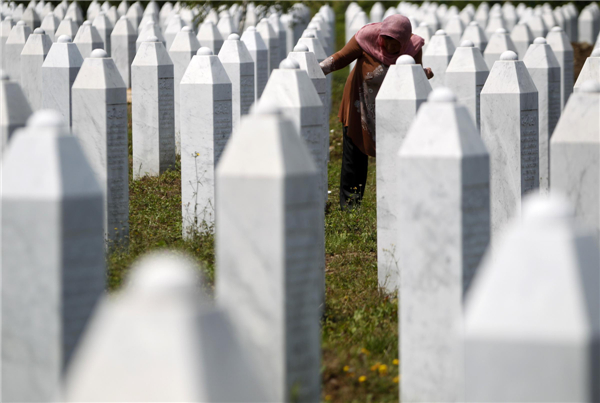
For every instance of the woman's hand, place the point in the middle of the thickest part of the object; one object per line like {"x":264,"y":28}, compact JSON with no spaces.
{"x":428,"y":73}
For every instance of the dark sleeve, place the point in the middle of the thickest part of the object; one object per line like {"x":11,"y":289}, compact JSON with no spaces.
{"x":419,"y":57}
{"x":341,"y":59}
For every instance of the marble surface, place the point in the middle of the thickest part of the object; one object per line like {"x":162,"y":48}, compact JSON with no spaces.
{"x":402,"y":92}
{"x":31,"y":18}
{"x":561,"y":46}
{"x":152,"y":110}
{"x":14,"y":109}
{"x":270,"y":210}
{"x":6,"y":25}
{"x":525,"y":336}
{"x":260,"y":55}
{"x":206,"y":121}
{"x":270,"y":38}
{"x":88,"y":39}
{"x":184,"y":47}
{"x":122,"y":40}
{"x":238,"y":64}
{"x":575,"y":154}
{"x":32,"y":57}
{"x":465,"y":76}
{"x":209,"y":36}
{"x":99,"y":114}
{"x":443,"y":226}
{"x":53,"y":276}
{"x":474,"y":33}
{"x":226,"y":26}
{"x":522,"y":37}
{"x":13,"y":48}
{"x":189,"y":352}
{"x":59,"y":71}
{"x":586,"y":26}
{"x":104,"y":28}
{"x":149,"y":30}
{"x":499,"y":43}
{"x":544,"y":69}
{"x":510,"y":131}
{"x":315,"y":46}
{"x":172,"y":29}
{"x":495,"y":22}
{"x":66,"y":27}
{"x":454,"y":29}
{"x":50,"y":25}
{"x":589,"y":71}
{"x":437,"y":56}
{"x":538,"y":26}
{"x":281,"y":34}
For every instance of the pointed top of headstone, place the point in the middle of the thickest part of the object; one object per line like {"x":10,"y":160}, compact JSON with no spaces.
{"x":98,"y":54}
{"x":590,"y":86}
{"x":467,"y":44}
{"x":440,"y":32}
{"x":251,"y":28}
{"x":20,"y":23}
{"x":87,"y":22}
{"x":473,"y":23}
{"x":233,"y":37}
{"x":308,"y":35}
{"x":596,"y":52}
{"x":405,"y":59}
{"x":442,"y":94}
{"x":509,"y":55}
{"x":543,"y":209}
{"x":500,"y":31}
{"x":64,"y":39}
{"x":46,"y":118}
{"x":300,"y":48}
{"x":266,"y":107}
{"x":39,"y":31}
{"x":540,"y":41}
{"x":288,"y":64}
{"x":186,"y":29}
{"x":204,"y":51}
{"x":556,"y":29}
{"x":151,"y":39}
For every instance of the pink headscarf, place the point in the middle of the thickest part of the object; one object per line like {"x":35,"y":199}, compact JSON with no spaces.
{"x":370,"y":38}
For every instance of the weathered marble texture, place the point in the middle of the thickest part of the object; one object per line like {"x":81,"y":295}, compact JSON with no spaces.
{"x":50,"y":25}
{"x":152,"y":110}
{"x":209,"y":36}
{"x":134,"y":15}
{"x":544,"y":70}
{"x":6,"y":26}
{"x":190,"y":352}
{"x":475,"y":34}
{"x":184,"y":47}
{"x":206,"y":122}
{"x":149,"y":30}
{"x":308,"y":62}
{"x":561,"y":46}
{"x":123,"y":47}
{"x":104,"y":27}
{"x":146,"y":18}
{"x":14,"y":109}
{"x":173,"y":28}
{"x":499,"y":43}
{"x":270,"y":38}
{"x":59,"y":71}
{"x":260,"y":55}
{"x":315,"y":46}
{"x":66,"y":27}
{"x":515,"y":334}
{"x":454,"y":29}
{"x":32,"y":57}
{"x":509,"y":129}
{"x":590,"y":70}
{"x":402,"y":92}
{"x":443,"y":221}
{"x":88,"y":39}
{"x":51,"y":276}
{"x":437,"y":56}
{"x":269,"y":209}
{"x":12,"y":50}
{"x":465,"y":76}
{"x":575,"y":154}
{"x":238,"y":64}
{"x":99,"y":108}
{"x":522,"y":37}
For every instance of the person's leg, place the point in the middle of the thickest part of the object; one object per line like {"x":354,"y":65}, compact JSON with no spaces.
{"x":354,"y":174}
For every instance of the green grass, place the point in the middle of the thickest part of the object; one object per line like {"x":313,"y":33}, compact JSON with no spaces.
{"x":360,"y":330}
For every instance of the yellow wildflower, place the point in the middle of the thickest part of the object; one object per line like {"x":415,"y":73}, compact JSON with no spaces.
{"x":328,"y":398}
{"x":396,"y":379}
{"x":346,"y":368}
{"x":395,"y":362}
{"x":364,"y":351}
{"x":375,"y":367}
{"x":362,"y":378}
{"x":382,"y":369}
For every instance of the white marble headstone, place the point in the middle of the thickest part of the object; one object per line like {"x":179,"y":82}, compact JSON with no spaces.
{"x":260,"y":55}
{"x":104,"y":28}
{"x":574,"y":150}
{"x":32,"y":57}
{"x":50,"y":25}
{"x":270,"y":38}
{"x":226,"y":26}
{"x":99,"y":109}
{"x":51,"y":276}
{"x":149,"y":30}
{"x":59,"y":71}
{"x":66,"y":27}
{"x":152,"y":110}
{"x":544,"y":69}
{"x":532,"y":325}
{"x":14,"y":109}
{"x":522,"y":37}
{"x":31,"y":18}
{"x":454,"y":29}
{"x":88,"y":39}
{"x":281,"y":34}
{"x":590,"y":70}
{"x":475,"y":34}
{"x":510,"y":131}
{"x":238,"y":64}
{"x":12,"y":50}
{"x":499,"y":43}
{"x":172,"y":29}
{"x":6,"y":26}
{"x":184,"y":47}
{"x":205,"y":122}
{"x":437,"y":56}
{"x":466,"y":75}
{"x":123,"y":47}
{"x":269,"y":215}
{"x":443,"y":228}
{"x":586,"y":24}
{"x":537,"y":25}
{"x":210,"y":36}
{"x":495,"y":22}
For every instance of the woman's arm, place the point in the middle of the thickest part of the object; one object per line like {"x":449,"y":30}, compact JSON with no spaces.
{"x":341,"y":59}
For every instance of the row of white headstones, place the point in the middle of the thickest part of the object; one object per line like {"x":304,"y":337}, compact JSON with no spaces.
{"x":269,"y":239}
